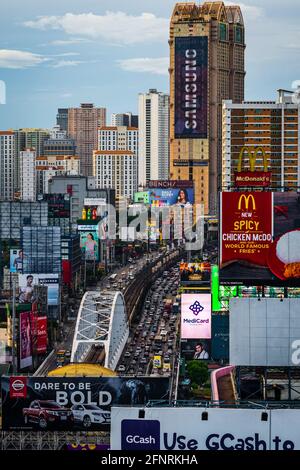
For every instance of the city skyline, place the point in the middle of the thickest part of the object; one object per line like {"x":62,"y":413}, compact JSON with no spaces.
{"x":62,"y":54}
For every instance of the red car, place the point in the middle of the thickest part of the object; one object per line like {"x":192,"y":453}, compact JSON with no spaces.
{"x":46,"y":413}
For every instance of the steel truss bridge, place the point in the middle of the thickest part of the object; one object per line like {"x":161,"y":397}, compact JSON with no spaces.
{"x":101,"y":322}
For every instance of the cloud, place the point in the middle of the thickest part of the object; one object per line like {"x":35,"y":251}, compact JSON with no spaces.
{"x":66,"y":54}
{"x":157,"y":66}
{"x":66,"y":63}
{"x":66,"y":42}
{"x":116,"y":27}
{"x":14,"y":59}
{"x":250,"y":12}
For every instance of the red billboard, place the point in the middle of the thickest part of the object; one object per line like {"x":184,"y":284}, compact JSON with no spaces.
{"x":42,"y":337}
{"x":25,"y":340}
{"x":260,"y":238}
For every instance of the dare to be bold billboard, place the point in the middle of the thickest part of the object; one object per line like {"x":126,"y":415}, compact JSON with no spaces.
{"x":191,"y":87}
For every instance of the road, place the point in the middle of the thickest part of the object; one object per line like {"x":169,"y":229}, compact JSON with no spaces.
{"x":154,"y":332}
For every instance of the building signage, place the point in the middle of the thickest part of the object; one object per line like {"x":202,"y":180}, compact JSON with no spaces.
{"x":195,"y":316}
{"x":252,"y":178}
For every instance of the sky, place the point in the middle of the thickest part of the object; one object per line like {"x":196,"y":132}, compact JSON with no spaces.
{"x":60,"y":53}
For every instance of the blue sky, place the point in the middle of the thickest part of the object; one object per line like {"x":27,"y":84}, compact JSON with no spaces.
{"x":59,"y":53}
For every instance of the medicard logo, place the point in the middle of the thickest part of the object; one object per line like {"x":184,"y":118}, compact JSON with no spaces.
{"x":141,"y":434}
{"x":196,"y":308}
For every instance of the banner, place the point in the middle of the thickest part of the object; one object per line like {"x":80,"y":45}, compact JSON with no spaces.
{"x":28,"y":281}
{"x":195,"y":316}
{"x":25,"y":341}
{"x":73,"y":404}
{"x":42,"y":337}
{"x":260,"y":238}
{"x":191,"y":87}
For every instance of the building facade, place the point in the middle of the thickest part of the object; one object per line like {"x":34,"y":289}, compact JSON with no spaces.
{"x":83,"y":124}
{"x":28,"y":175}
{"x":7,"y":165}
{"x":153,"y":162}
{"x":116,"y":169}
{"x":207,"y":44}
{"x":118,"y":138}
{"x":62,"y":118}
{"x":52,"y":165}
{"x":124,"y":119}
{"x":59,"y":144}
{"x":257,"y":128}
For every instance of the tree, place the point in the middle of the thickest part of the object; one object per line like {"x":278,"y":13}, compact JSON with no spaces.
{"x":198,"y":371}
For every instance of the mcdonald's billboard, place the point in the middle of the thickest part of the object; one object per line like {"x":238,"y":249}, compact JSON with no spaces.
{"x":251,"y":177}
{"x":260,"y":238}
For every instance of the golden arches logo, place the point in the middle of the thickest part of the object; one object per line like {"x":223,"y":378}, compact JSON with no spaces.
{"x":247,"y":200}
{"x":252,"y":155}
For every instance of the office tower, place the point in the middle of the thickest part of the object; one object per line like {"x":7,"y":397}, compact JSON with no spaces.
{"x":59,"y":144}
{"x":28,"y":175}
{"x":53,"y":165}
{"x":253,"y":128}
{"x":125,"y":119}
{"x":7,"y":165}
{"x":83,"y":124}
{"x":206,"y":66}
{"x":116,"y":169}
{"x":153,"y":137}
{"x":62,"y":118}
{"x":42,"y":250}
{"x":28,"y":139}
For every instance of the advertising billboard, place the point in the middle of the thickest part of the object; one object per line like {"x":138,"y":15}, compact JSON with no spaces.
{"x":191,"y":87}
{"x":196,"y":428}
{"x":183,"y":197}
{"x":252,"y":178}
{"x":220,"y":337}
{"x":192,"y":349}
{"x":195,"y":316}
{"x":81,"y":403}
{"x":173,"y":184}
{"x":89,"y":241}
{"x":28,"y":281}
{"x":195,"y":274}
{"x":264,"y":332}
{"x":16,"y":260}
{"x":142,"y":196}
{"x":260,"y":238}
{"x":42,"y":336}
{"x":25,"y":340}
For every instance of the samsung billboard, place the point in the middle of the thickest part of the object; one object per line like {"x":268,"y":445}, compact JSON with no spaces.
{"x":191,"y":87}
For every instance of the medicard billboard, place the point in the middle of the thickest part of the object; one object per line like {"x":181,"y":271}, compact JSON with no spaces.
{"x":260,"y":238}
{"x":264,"y":332}
{"x":191,"y":87}
{"x":28,"y":281}
{"x":50,"y":403}
{"x":205,"y":429}
{"x":195,"y":316}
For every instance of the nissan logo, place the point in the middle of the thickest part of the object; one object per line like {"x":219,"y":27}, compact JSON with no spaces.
{"x":18,"y":385}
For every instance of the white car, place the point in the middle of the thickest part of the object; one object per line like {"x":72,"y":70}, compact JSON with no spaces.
{"x":90,"y":414}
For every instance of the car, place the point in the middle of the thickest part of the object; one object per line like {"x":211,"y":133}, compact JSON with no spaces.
{"x":87,"y":415}
{"x":121,"y":368}
{"x":45,"y":413}
{"x":127,"y":354}
{"x":143,"y":360}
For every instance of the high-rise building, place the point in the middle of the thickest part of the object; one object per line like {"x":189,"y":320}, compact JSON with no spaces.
{"x":252,"y":129}
{"x":28,"y":139}
{"x":7,"y":165}
{"x":28,"y":175}
{"x":53,"y":165}
{"x":62,"y":118}
{"x":153,"y":137}
{"x":207,"y":44}
{"x":118,"y":138}
{"x":116,"y":169}
{"x":124,"y":119}
{"x":83,"y":124}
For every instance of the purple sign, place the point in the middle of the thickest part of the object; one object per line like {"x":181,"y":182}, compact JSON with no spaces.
{"x":140,"y":434}
{"x":191,"y":87}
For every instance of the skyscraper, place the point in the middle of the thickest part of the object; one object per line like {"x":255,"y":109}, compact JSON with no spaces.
{"x":62,"y":118}
{"x":83,"y":124}
{"x":206,"y":66}
{"x":28,"y":175}
{"x":124,"y":119}
{"x":153,"y":136}
{"x":7,"y":165}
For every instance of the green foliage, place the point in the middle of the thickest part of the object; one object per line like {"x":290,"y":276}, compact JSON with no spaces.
{"x":198,"y":371}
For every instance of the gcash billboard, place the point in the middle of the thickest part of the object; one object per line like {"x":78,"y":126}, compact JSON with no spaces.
{"x":205,"y":429}
{"x":264,"y":332}
{"x":195,"y":316}
{"x":260,"y":238}
{"x":191,"y":87}
{"x":50,"y":403}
